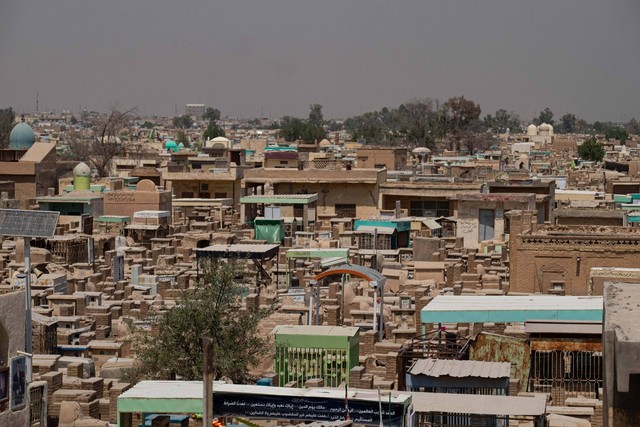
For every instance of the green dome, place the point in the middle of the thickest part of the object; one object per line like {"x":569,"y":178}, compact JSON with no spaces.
{"x":21,"y":137}
{"x":171,"y":145}
{"x":180,"y":146}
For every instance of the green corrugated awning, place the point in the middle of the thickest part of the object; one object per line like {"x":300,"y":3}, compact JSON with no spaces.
{"x":506,"y":309}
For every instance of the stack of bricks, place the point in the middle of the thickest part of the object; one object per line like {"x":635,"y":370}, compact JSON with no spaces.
{"x":358,"y":378}
{"x":116,"y":390}
{"x":91,"y":409}
{"x":333,"y":290}
{"x":314,"y":382}
{"x":44,"y":366}
{"x":103,"y":407}
{"x":116,"y":311}
{"x":96,"y":384}
{"x":333,"y":315}
{"x":382,"y":349}
{"x":392,"y":366}
{"x":252,"y":301}
{"x":514,"y":386}
{"x":596,"y":418}
{"x":83,"y":397}
{"x":355,"y":376}
{"x":54,"y":382}
{"x":144,"y":308}
{"x":101,"y":314}
{"x":86,"y":337}
{"x":367,"y":342}
{"x":65,"y":309}
{"x":75,"y":370}
{"x":127,"y":306}
{"x":102,"y":332}
{"x":420,"y":303}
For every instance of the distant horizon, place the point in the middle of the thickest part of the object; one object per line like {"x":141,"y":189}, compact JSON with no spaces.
{"x":253,"y":58}
{"x":556,"y":116}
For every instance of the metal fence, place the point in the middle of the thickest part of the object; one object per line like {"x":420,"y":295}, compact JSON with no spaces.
{"x":566,"y":373}
{"x":432,"y":419}
{"x":36,"y":406}
{"x":434,"y":345}
{"x":302,"y":364}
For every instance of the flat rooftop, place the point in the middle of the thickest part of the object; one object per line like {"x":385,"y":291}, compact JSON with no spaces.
{"x":507,"y":308}
{"x":335,"y":331}
{"x":478,"y":404}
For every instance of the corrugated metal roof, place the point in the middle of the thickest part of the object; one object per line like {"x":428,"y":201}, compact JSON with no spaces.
{"x":431,"y":224}
{"x":460,"y":368}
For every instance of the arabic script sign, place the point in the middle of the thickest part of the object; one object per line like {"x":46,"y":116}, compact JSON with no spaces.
{"x":306,"y":408}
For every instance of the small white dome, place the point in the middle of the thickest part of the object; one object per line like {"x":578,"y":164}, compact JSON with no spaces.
{"x":220,"y":139}
{"x":82,"y":169}
{"x":550,"y":129}
{"x":532,"y":130}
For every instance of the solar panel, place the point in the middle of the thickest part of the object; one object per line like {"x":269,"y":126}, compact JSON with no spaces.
{"x":22,"y":223}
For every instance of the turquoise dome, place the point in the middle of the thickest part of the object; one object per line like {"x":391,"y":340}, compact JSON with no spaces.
{"x":21,"y":137}
{"x":171,"y":145}
{"x":181,"y":146}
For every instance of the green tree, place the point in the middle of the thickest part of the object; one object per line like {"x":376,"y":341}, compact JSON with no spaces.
{"x":212,"y":309}
{"x":212,"y":115}
{"x":460,"y":114}
{"x":315,"y":115}
{"x":148,"y":125}
{"x":545,"y":116}
{"x":581,"y":126}
{"x":182,"y":138}
{"x":183,"y":122}
{"x":295,"y":129}
{"x":632,"y":127}
{"x":416,"y":119}
{"x":568,"y":123}
{"x":502,"y":121}
{"x":112,"y":137}
{"x":599,"y":127}
{"x":615,"y":132}
{"x":73,"y":120}
{"x":591,"y":150}
{"x":213,"y":131}
{"x":7,"y":118}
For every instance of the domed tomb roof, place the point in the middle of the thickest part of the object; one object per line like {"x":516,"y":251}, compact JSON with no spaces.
{"x":171,"y":145}
{"x":532,"y":130}
{"x":220,"y":139}
{"x":21,"y":137}
{"x":82,"y":169}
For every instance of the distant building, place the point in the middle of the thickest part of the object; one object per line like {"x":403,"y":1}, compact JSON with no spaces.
{"x":31,"y":165}
{"x":195,"y":110}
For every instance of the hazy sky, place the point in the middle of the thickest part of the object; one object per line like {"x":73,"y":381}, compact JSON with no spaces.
{"x":351,"y":56}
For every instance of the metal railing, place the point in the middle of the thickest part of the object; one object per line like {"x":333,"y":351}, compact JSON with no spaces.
{"x":566,"y":373}
{"x":36,"y":406}
{"x":434,"y":345}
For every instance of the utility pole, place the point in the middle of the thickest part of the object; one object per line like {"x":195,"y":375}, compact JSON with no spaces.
{"x":207,"y":383}
{"x":27,"y":290}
